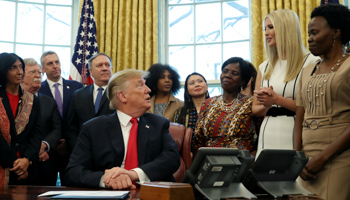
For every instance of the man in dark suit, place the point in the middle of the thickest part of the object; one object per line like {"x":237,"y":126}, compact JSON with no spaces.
{"x":53,"y":87}
{"x":51,"y":124}
{"x":86,"y":102}
{"x":113,"y":152}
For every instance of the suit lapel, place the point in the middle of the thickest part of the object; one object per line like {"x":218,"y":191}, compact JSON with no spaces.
{"x":45,"y":89}
{"x":115,"y":134}
{"x":90,"y":99}
{"x":143,"y":132}
{"x":103,"y":101}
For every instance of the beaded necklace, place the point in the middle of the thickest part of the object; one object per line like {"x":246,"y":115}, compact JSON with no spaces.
{"x":323,"y":78}
{"x":230,"y":106}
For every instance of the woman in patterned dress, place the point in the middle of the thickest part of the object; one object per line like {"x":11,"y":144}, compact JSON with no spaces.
{"x":322,"y":124}
{"x":227,"y":120}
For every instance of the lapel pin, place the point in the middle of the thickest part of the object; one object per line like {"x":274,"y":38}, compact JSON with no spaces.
{"x":67,"y":87}
{"x":147,"y":126}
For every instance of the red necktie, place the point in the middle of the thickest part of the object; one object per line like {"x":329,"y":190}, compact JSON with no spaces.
{"x":131,"y":160}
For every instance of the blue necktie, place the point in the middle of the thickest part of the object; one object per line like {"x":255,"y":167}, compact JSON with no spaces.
{"x":98,"y":99}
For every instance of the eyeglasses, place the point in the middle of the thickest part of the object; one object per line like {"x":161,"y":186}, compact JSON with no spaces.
{"x":34,"y":72}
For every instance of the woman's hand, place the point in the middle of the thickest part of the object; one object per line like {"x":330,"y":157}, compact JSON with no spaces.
{"x":266,"y":96}
{"x":20,"y":166}
{"x":313,"y":167}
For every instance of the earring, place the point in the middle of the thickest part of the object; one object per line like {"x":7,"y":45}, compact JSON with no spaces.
{"x":333,"y":42}
{"x":241,"y":87}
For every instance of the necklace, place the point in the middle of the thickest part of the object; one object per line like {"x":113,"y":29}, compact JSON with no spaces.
{"x":231,"y":105}
{"x":315,"y":89}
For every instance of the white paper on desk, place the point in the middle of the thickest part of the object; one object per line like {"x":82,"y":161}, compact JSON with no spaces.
{"x":83,"y":193}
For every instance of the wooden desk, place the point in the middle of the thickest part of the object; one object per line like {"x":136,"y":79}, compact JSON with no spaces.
{"x":23,"y":192}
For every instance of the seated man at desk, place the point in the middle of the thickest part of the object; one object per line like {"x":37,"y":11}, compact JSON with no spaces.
{"x":127,"y":146}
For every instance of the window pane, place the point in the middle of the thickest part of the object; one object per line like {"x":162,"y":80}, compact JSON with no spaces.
{"x":179,"y":1}
{"x":7,"y":11}
{"x":34,"y":1}
{"x":180,"y":24}
{"x":208,"y":61}
{"x":64,"y":56}
{"x":236,"y":20}
{"x":60,"y":2}
{"x":214,"y":91}
{"x":182,"y":58}
{"x":27,"y":31}
{"x":58,"y":25}
{"x":208,"y":22}
{"x":29,"y":51}
{"x":6,"y":47}
{"x":238,"y":49}
{"x":205,"y":0}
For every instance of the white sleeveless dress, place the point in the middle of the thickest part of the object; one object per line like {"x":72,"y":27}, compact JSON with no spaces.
{"x":277,"y":132}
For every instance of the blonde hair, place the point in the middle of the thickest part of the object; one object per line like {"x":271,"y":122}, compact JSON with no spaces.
{"x":119,"y":81}
{"x":288,"y":43}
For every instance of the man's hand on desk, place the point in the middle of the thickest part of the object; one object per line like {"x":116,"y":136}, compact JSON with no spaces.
{"x":119,"y":178}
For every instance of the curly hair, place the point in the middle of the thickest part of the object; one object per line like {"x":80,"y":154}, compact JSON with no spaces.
{"x":156,"y":71}
{"x":337,"y":17}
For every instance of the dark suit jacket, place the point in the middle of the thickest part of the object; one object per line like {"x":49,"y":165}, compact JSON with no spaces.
{"x":69,"y":88}
{"x":26,"y":143}
{"x":51,"y":120}
{"x":100,"y":146}
{"x":82,"y":109}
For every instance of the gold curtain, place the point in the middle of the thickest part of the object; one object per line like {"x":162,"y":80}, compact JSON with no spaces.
{"x":259,"y":10}
{"x":127,"y":31}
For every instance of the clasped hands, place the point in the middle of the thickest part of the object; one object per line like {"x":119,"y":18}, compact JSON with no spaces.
{"x":20,"y":167}
{"x":266,"y":96}
{"x":119,"y":178}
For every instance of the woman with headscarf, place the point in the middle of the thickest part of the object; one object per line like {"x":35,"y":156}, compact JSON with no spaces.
{"x":20,"y":137}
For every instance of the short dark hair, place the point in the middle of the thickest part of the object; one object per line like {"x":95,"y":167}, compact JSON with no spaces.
{"x":156,"y":70}
{"x":337,"y":17}
{"x":246,"y":73}
{"x":6,"y":60}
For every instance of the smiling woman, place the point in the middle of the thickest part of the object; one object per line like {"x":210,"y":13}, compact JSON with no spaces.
{"x":227,"y":120}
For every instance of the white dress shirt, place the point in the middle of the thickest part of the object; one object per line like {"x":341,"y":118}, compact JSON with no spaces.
{"x":96,"y":91}
{"x":125,"y":125}
{"x":52,"y":87}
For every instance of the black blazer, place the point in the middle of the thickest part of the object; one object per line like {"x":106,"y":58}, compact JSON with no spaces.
{"x":69,"y":88}
{"x":100,"y":146}
{"x":82,"y":109}
{"x":51,"y":120}
{"x":26,"y":143}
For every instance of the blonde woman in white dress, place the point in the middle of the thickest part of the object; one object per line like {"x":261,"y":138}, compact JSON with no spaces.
{"x":277,"y":79}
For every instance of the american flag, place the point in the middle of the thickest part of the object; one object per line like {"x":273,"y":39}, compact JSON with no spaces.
{"x":85,"y":46}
